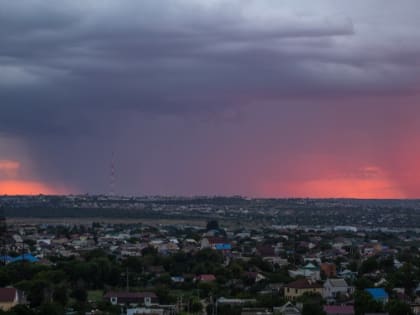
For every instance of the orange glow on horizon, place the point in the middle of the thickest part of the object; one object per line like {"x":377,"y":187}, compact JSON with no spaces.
{"x":336,"y":188}
{"x":20,"y":187}
{"x":368,"y":182}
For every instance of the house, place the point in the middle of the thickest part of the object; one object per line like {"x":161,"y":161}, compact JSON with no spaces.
{"x":177,"y":279}
{"x":217,"y":243}
{"x":348,"y":274}
{"x":10,"y":297}
{"x":138,"y":298}
{"x":339,"y":309}
{"x":415,"y":308}
{"x":297,"y":288}
{"x":255,"y":276}
{"x":266,"y":251}
{"x":205,"y":278}
{"x":223,"y":247}
{"x":329,"y":270}
{"x":334,"y":288}
{"x":378,"y":294}
{"x":255,"y":311}
{"x":25,"y":257}
{"x":276,"y":261}
{"x":287,"y":309}
{"x":309,"y":271}
{"x":145,"y":310}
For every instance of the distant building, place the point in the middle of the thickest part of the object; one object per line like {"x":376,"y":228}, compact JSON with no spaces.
{"x":309,"y":271}
{"x":138,"y":298}
{"x":216,"y":243}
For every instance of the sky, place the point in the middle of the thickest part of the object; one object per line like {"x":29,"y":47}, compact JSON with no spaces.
{"x":261,"y":98}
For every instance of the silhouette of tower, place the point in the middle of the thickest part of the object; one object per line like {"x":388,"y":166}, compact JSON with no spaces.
{"x":112,"y":176}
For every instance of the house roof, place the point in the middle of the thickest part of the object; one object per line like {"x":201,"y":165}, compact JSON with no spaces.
{"x":7,"y":295}
{"x":339,"y":309}
{"x":25,"y":257}
{"x":303,"y":284}
{"x":6,"y":258}
{"x":223,"y":246}
{"x":216,"y":240}
{"x":310,"y":266}
{"x":338,"y":282}
{"x":289,"y":306}
{"x":206,"y":277}
{"x":266,"y":250}
{"x":377,"y":293}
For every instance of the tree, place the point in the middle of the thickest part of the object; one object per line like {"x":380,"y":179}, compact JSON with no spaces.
{"x":79,"y":294}
{"x":364,"y":303}
{"x":196,"y":306}
{"x":363,"y":283}
{"x":60,"y":295}
{"x":51,"y":309}
{"x":313,"y":309}
{"x":369,"y":265}
{"x":395,"y":307}
{"x":20,"y":310}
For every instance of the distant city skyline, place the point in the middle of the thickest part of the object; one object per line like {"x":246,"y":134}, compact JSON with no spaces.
{"x":260,"y":98}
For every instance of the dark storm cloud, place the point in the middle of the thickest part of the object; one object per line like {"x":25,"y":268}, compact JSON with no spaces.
{"x":163,"y":56}
{"x":73,"y":73}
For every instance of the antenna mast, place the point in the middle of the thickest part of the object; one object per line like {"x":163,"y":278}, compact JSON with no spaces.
{"x":112,"y":176}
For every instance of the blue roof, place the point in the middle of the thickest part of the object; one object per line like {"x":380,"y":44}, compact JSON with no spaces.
{"x":25,"y":257}
{"x":223,"y":247}
{"x":377,"y":293}
{"x":6,"y":258}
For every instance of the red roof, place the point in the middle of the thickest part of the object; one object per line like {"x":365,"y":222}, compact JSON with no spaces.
{"x":216,"y":240}
{"x":339,"y":309}
{"x":303,"y":284}
{"x":206,"y":278}
{"x":7,"y":294}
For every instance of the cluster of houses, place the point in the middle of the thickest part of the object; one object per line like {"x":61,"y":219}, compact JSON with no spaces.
{"x":316,"y":262}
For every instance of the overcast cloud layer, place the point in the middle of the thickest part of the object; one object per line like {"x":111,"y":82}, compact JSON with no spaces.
{"x":254,"y":97}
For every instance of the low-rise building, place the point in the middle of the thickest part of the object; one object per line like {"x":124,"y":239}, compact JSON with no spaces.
{"x":297,"y":288}
{"x":334,"y":288}
{"x":138,"y":298}
{"x":10,"y":297}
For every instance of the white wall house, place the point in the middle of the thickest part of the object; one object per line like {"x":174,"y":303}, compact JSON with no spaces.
{"x":335,"y":287}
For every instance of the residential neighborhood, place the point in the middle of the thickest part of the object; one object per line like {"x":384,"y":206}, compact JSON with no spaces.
{"x":103,"y":267}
